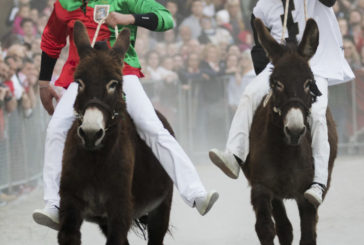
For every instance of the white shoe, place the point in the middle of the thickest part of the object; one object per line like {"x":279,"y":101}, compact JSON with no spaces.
{"x":48,"y":216}
{"x":226,"y":162}
{"x":314,"y":194}
{"x":204,"y":204}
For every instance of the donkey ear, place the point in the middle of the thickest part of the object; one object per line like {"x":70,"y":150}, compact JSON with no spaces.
{"x":310,"y":40}
{"x":272,"y":48}
{"x":81,"y":39}
{"x":121,"y":44}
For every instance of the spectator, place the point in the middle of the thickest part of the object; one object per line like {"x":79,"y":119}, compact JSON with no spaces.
{"x":7,"y":100}
{"x":241,"y":74}
{"x":15,"y":63}
{"x":236,"y":18}
{"x":194,"y":46}
{"x":211,"y":34}
{"x":351,"y":54}
{"x":24,"y":12}
{"x":172,"y":6}
{"x":168,"y":75}
{"x":210,"y":95}
{"x":344,"y":26}
{"x":169,"y":37}
{"x":185,"y":35}
{"x":29,"y":30}
{"x":192,"y":72}
{"x":193,"y":21}
{"x":362,"y":57}
{"x":355,"y":22}
{"x":153,"y":71}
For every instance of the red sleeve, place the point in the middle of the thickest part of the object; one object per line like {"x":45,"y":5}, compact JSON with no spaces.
{"x":55,"y":33}
{"x":10,"y":85}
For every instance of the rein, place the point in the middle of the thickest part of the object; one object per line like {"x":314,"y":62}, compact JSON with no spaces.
{"x":101,"y":22}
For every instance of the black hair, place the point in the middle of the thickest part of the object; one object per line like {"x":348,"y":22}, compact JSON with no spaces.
{"x":25,"y":20}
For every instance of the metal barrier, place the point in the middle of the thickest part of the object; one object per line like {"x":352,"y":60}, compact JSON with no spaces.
{"x":199,"y":114}
{"x":197,"y":134}
{"x":21,"y":149}
{"x":201,"y":118}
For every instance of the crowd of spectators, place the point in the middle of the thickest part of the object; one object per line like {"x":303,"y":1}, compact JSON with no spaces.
{"x":19,"y":68}
{"x":207,"y":55}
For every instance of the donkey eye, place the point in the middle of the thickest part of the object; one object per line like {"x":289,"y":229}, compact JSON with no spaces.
{"x":111,"y":86}
{"x":278,"y":85}
{"x":307,"y":85}
{"x":81,"y":85}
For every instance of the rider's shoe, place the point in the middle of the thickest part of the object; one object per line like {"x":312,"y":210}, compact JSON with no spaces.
{"x":48,"y":216}
{"x":226,"y":161}
{"x":204,"y":204}
{"x":314,"y":194}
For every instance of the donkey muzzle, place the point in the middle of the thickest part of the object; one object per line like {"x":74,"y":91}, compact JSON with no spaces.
{"x":92,"y":129}
{"x":294,"y":126}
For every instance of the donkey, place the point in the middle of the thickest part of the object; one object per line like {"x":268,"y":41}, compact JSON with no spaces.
{"x":109,"y":175}
{"x":280,"y":163}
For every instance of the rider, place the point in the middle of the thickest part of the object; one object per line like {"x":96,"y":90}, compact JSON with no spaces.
{"x":131,"y":13}
{"x":328,"y":66}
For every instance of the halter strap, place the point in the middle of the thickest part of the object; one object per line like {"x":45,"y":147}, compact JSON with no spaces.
{"x":278,"y":110}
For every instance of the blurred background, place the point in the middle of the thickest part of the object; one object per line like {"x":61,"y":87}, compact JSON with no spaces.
{"x":194,"y":74}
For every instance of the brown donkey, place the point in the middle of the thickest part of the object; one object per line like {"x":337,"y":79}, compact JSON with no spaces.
{"x":109,"y":175}
{"x":280,"y":163}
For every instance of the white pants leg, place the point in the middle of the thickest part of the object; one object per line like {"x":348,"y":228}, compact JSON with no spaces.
{"x":172,"y":157}
{"x":58,"y":127}
{"x":238,"y":139}
{"x":165,"y":147}
{"x":319,"y":132}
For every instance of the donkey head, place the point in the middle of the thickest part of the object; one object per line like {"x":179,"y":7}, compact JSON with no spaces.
{"x":100,"y":98}
{"x":292,"y":83}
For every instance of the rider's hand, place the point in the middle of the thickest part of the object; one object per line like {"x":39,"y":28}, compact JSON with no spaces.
{"x":47,"y":93}
{"x":115,"y":18}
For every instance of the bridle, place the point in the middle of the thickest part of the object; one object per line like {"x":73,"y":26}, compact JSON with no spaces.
{"x":99,"y":104}
{"x":293,"y":100}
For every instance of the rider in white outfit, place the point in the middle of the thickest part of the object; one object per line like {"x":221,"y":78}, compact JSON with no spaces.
{"x":328,"y":66}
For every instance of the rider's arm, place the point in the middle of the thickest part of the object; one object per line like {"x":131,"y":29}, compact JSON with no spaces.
{"x":151,"y":15}
{"x":54,"y":38}
{"x":328,"y":3}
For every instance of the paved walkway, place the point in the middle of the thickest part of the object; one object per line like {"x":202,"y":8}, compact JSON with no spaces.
{"x":231,"y":221}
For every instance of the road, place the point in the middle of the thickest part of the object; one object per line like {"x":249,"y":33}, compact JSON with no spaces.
{"x":230,"y":222}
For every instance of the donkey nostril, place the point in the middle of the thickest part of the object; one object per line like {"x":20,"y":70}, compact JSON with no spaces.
{"x":99,"y":134}
{"x":81,"y":133}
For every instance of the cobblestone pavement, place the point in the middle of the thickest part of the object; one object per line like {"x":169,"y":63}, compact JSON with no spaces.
{"x":230,"y":222}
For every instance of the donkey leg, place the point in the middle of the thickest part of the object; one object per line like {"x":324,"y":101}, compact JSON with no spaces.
{"x":158,"y":222}
{"x":261,"y":198}
{"x":283,"y":225}
{"x":70,"y":221}
{"x":119,"y":220}
{"x":308,"y":215}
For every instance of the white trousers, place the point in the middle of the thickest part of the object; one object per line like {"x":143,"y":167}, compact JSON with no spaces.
{"x":238,"y":139}
{"x":167,"y":150}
